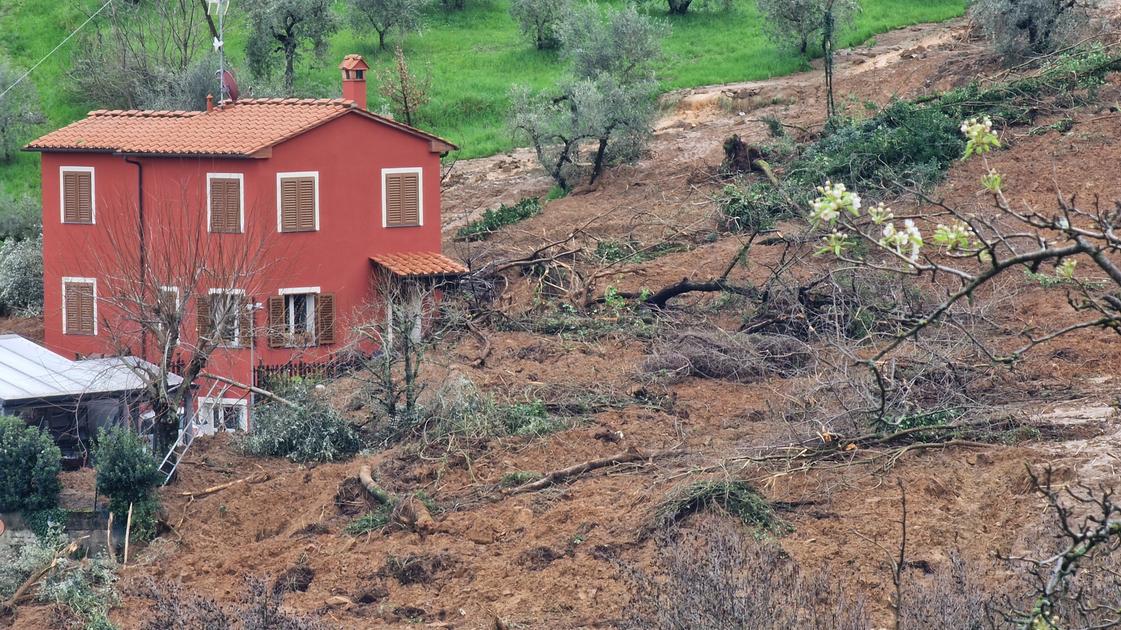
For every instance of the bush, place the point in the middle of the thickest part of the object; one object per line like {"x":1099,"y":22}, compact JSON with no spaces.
{"x":313,"y":432}
{"x":538,"y":19}
{"x":20,"y":217}
{"x":732,"y":497}
{"x":84,"y":589}
{"x":128,"y":474}
{"x":20,"y":561}
{"x":19,"y":112}
{"x":732,"y":356}
{"x":1021,"y":28}
{"x":29,"y":466}
{"x":21,"y":276}
{"x":715,"y":577}
{"x":751,"y":209}
{"x":459,"y":409}
{"x":502,"y":216}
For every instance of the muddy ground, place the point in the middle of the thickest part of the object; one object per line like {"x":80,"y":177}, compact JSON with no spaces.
{"x":552,"y":559}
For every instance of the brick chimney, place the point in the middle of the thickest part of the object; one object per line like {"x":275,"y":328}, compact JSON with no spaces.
{"x":354,"y":69}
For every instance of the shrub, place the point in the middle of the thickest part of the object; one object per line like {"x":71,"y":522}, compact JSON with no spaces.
{"x":20,"y":217}
{"x":1020,"y":28}
{"x":503,"y":215}
{"x":732,"y":497}
{"x":128,"y":474}
{"x":19,"y":112}
{"x":21,"y":276}
{"x":29,"y":466}
{"x":371,"y":521}
{"x":84,"y":589}
{"x":715,"y":577}
{"x":751,"y":209}
{"x":732,"y":356}
{"x":20,"y":561}
{"x":538,"y":19}
{"x":312,"y":432}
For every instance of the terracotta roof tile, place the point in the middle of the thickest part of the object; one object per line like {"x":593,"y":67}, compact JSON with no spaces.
{"x":419,"y":264}
{"x":235,"y":129}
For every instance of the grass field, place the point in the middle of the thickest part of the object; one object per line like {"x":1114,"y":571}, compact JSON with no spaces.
{"x":474,"y":56}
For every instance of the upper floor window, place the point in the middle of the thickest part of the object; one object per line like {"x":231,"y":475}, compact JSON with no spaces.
{"x":301,"y":317}
{"x":402,"y":199}
{"x":225,"y":199}
{"x":297,"y":202}
{"x":224,"y":316}
{"x":167,"y":307}
{"x":79,"y":306}
{"x":77,"y":194}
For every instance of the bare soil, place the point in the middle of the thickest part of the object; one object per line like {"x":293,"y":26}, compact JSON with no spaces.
{"x":551,"y":559}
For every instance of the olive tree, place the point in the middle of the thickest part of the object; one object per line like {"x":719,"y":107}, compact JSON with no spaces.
{"x":798,"y":23}
{"x":19,"y":111}
{"x":284,"y":27}
{"x":1020,"y":28}
{"x":540,"y":19}
{"x":385,"y":16}
{"x":602,"y":112}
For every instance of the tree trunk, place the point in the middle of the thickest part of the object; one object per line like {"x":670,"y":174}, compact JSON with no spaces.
{"x":166,"y":428}
{"x":679,"y":7}
{"x":601,"y":154}
{"x":381,"y":40}
{"x":289,"y":66}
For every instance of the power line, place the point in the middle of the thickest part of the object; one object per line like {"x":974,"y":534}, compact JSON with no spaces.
{"x":55,"y":49}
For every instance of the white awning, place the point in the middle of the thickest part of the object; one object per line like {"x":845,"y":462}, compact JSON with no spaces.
{"x":30,"y":371}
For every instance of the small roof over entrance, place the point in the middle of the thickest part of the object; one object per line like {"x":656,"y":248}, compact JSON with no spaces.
{"x":419,"y":265}
{"x":29,"y":371}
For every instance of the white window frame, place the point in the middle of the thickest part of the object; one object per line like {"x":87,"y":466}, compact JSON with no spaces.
{"x":236,"y":342}
{"x":291,"y":175}
{"x":76,"y":279}
{"x":208,"y":405}
{"x":62,"y":193}
{"x":290,"y":316}
{"x":420,"y":193}
{"x":240,"y":177}
{"x":178,"y":297}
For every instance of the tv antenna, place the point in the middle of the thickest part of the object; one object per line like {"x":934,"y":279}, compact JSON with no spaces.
{"x":219,"y":8}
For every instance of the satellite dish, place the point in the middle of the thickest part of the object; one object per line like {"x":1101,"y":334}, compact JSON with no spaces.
{"x":229,"y":85}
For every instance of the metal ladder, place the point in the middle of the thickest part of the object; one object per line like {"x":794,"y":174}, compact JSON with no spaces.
{"x":178,"y":450}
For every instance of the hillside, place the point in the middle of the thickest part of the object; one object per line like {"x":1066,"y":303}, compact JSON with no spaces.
{"x":474,"y":56}
{"x":571,"y":554}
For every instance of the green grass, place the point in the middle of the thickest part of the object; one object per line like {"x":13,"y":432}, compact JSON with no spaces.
{"x":474,"y":56}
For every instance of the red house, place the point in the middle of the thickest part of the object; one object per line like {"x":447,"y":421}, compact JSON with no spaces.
{"x":279,"y":210}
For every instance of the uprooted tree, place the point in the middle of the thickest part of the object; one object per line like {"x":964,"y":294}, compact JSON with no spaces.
{"x":158,"y":276}
{"x":602,"y":112}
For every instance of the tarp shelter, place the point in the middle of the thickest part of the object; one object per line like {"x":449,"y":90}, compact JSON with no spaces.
{"x":71,"y":399}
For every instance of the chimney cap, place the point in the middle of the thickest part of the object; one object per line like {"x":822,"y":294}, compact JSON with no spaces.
{"x":353,"y":62}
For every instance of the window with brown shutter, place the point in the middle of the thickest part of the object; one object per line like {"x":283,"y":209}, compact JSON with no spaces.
{"x":77,"y":195}
{"x":301,"y":319}
{"x":225,"y":204}
{"x":401,"y":198}
{"x":79,"y":306}
{"x":297,"y":200}
{"x":223,"y":316}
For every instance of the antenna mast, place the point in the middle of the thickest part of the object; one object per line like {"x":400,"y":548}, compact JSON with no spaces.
{"x":219,"y":8}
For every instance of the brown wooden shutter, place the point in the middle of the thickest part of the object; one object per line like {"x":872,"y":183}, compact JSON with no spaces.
{"x":278,"y":322}
{"x":77,"y":197}
{"x":289,"y":205}
{"x":306,"y":205}
{"x":245,"y":317}
{"x":70,"y":197}
{"x":393,"y":205}
{"x":79,"y":305}
{"x":85,"y":197}
{"x":225,"y":205}
{"x":233,"y":205}
{"x":325,"y":318}
{"x":410,"y":199}
{"x":202,"y":314}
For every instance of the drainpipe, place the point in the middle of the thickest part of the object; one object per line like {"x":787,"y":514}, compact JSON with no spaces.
{"x":143,"y":244}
